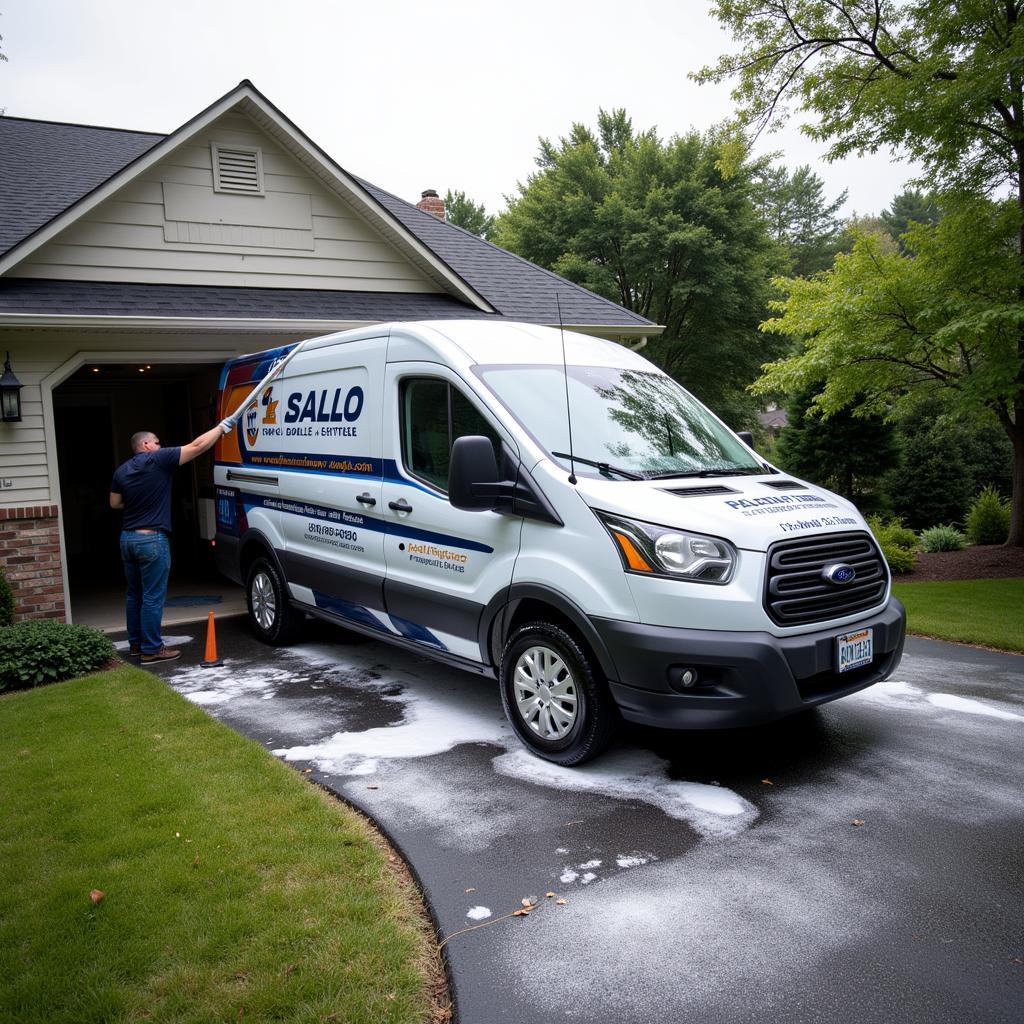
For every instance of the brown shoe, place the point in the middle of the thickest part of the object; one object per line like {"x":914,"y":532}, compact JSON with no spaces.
{"x":134,"y":651}
{"x":164,"y":654}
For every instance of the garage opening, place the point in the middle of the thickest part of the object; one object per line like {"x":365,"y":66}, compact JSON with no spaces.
{"x":96,"y":411}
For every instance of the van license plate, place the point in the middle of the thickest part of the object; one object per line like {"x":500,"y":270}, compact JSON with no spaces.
{"x":854,"y":650}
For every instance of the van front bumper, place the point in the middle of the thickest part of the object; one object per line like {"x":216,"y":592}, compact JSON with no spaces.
{"x":742,"y":678}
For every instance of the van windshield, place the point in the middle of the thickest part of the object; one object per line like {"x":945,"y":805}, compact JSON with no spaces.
{"x":641,"y":421}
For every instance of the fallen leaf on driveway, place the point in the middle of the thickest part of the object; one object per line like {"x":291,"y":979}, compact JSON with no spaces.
{"x":371,"y":787}
{"x":471,"y":890}
{"x":527,"y":902}
{"x":549,"y":894}
{"x":857,"y":821}
{"x":767,"y":782}
{"x":97,"y":895}
{"x":524,"y":912}
{"x":561,"y":903}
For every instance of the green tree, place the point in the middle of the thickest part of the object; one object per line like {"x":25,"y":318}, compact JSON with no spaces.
{"x":800,"y":218}
{"x":660,"y":227}
{"x":461,"y":211}
{"x":911,"y":206}
{"x":943,"y":83}
{"x":845,"y":453}
{"x":883,"y":328}
{"x":946,"y":461}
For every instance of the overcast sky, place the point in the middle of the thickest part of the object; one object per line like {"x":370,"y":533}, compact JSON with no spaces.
{"x":409,"y":95}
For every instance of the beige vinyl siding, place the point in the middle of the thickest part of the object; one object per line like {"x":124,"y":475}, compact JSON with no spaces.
{"x":23,"y":458}
{"x":27,"y":456}
{"x":309,"y":238}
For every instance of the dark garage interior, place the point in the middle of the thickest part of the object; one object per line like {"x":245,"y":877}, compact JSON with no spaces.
{"x":96,"y":411}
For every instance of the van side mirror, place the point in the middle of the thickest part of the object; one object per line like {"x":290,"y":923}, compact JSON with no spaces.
{"x":746,"y":437}
{"x":473,"y":475}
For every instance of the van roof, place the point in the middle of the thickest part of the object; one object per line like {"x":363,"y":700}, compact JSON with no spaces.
{"x":512,"y":343}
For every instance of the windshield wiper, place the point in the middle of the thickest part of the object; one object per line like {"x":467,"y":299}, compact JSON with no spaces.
{"x":738,"y":471}
{"x":602,"y":467}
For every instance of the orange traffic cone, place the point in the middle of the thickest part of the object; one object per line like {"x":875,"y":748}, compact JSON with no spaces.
{"x":211,"y":660}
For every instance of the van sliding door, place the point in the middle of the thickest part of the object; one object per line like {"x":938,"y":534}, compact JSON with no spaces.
{"x":443,"y":564}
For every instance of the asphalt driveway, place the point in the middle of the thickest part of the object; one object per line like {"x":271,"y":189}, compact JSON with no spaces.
{"x":864,"y":862}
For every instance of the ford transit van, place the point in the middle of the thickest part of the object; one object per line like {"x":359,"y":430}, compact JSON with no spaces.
{"x":550,"y":510}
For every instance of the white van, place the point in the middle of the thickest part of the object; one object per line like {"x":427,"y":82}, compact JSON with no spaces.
{"x":420,"y":482}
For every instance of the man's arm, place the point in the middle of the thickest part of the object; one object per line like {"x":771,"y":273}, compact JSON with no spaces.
{"x":204,"y":442}
{"x":116,"y":500}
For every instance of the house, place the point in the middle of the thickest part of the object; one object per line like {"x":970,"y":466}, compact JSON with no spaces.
{"x":133,"y":264}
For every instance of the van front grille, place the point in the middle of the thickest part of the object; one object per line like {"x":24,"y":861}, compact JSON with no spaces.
{"x":797,"y":591}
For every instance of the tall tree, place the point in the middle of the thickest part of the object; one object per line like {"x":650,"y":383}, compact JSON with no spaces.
{"x":941,"y":82}
{"x":659,"y":227}
{"x":800,"y":218}
{"x":461,"y":211}
{"x":845,"y":453}
{"x":911,"y":206}
{"x":946,"y":460}
{"x":885,"y":328}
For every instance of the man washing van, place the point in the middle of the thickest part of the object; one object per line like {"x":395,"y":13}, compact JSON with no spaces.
{"x":142,"y":487}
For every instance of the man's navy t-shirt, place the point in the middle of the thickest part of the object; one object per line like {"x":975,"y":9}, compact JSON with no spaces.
{"x":144,"y":481}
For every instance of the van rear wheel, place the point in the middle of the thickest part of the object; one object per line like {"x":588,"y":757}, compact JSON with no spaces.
{"x":555,"y":695}
{"x":271,"y":614}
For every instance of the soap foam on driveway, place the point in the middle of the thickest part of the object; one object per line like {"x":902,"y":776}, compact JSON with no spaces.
{"x":436,"y":719}
{"x":756,"y":899}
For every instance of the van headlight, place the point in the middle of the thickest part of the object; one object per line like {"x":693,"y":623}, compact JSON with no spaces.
{"x":662,"y":551}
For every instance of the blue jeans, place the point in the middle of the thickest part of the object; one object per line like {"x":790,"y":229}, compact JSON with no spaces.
{"x":147,"y":564}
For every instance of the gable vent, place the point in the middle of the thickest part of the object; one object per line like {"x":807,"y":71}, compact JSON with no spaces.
{"x":237,"y":169}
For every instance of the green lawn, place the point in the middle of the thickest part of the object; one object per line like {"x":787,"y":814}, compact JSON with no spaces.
{"x":235,"y":891}
{"x":985,"y":612}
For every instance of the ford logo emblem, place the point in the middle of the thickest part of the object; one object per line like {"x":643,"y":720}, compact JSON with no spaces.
{"x":841,"y":573}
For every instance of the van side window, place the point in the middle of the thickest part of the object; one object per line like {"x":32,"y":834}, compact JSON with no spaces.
{"x":434,"y":414}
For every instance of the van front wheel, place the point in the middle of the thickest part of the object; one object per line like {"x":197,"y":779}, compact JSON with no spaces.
{"x":271,"y":614}
{"x":555,"y":696}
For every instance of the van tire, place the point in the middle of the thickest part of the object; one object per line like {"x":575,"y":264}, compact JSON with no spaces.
{"x":271,"y":614}
{"x":569,"y":731}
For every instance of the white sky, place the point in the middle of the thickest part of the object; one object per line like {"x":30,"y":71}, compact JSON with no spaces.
{"x":409,"y":95}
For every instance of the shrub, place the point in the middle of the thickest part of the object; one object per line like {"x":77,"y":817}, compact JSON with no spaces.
{"x":6,"y":601}
{"x":988,"y":520}
{"x":46,"y":651}
{"x":898,"y":544}
{"x":942,"y":538}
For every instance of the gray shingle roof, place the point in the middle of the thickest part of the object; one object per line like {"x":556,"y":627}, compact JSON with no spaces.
{"x":112,"y":298}
{"x":47,"y":166}
{"x":515,"y":287}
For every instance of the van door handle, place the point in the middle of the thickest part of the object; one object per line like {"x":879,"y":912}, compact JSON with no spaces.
{"x":366,"y":499}
{"x":400,"y":506}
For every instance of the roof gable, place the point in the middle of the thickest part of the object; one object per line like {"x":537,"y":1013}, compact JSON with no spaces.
{"x":90,"y":164}
{"x":172,"y":222}
{"x":251,"y":102}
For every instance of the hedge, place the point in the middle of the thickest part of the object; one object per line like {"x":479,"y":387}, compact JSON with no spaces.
{"x":46,"y":651}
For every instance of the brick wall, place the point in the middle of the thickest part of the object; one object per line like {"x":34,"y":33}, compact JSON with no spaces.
{"x":30,"y":559}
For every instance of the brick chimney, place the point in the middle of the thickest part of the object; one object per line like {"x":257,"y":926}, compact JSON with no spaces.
{"x":431,"y":202}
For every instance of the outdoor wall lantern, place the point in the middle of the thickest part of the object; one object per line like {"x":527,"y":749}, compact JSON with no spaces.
{"x":10,"y":394}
